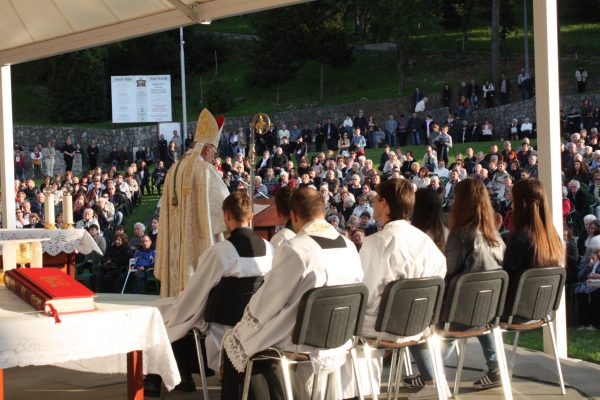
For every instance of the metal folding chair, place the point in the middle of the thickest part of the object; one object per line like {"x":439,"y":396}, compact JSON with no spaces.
{"x":473,"y":307}
{"x":327,"y":318}
{"x":537,"y":296}
{"x":409,"y":307}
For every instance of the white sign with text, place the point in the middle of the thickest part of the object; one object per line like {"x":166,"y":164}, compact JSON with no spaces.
{"x":141,"y":98}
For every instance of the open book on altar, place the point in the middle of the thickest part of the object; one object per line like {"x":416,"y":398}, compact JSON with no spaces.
{"x":49,"y":290}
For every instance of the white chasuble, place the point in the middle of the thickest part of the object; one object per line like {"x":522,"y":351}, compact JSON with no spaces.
{"x":190,"y":220}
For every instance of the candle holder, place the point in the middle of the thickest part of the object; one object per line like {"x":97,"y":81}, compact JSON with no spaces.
{"x":67,"y":226}
{"x":49,"y":219}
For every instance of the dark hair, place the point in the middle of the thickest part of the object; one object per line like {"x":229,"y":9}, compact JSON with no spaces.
{"x":400,"y":196}
{"x":123,"y":238}
{"x":282,"y":200}
{"x":428,"y":217}
{"x":532,"y":214}
{"x":307,"y":204}
{"x":239,"y":205}
{"x":478,"y":215}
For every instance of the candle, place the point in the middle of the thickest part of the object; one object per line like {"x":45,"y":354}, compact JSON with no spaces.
{"x":49,"y":209}
{"x":67,"y":209}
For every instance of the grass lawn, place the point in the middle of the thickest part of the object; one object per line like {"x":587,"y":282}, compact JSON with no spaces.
{"x":584,"y":345}
{"x":142,"y":213}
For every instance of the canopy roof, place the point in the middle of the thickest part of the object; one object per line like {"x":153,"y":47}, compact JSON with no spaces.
{"x":33,"y":29}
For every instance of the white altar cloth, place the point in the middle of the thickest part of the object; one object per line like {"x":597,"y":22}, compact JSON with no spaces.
{"x":96,"y":341}
{"x":61,"y":240}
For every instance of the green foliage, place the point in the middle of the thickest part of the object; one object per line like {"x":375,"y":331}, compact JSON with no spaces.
{"x":77,"y":87}
{"x":200,"y":48}
{"x":219,"y":97}
{"x":150,"y":55}
{"x":274,"y":58}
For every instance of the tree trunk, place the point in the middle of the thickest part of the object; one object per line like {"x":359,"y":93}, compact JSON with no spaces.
{"x":400,"y":67}
{"x":495,"y":40}
{"x":322,"y":82}
{"x":465,"y":25}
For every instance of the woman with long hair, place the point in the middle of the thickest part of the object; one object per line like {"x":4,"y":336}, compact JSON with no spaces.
{"x":474,"y":244}
{"x":533,"y":240}
{"x":428,"y":217}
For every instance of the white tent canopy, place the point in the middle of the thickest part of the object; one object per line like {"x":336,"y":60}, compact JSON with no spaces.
{"x":33,"y":29}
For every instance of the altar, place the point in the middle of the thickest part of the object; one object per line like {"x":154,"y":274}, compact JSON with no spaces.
{"x":61,"y":249}
{"x":115,"y":338}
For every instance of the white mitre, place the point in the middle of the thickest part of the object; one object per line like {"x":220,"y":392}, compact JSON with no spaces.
{"x":208,"y":129}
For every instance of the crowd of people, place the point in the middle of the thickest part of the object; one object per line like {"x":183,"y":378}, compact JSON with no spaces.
{"x":102,"y":201}
{"x":369,"y":203}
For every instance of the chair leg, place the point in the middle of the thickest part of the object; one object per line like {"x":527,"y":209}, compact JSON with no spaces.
{"x":287,"y":380}
{"x":398,"y":377}
{"x":201,"y":363}
{"x":407,"y":363}
{"x":356,"y":373}
{"x":438,"y":367}
{"x":502,"y":363}
{"x":247,"y":378}
{"x":461,"y":359}
{"x":513,"y":356}
{"x":391,"y":382}
{"x":369,"y":361}
{"x":556,"y":359}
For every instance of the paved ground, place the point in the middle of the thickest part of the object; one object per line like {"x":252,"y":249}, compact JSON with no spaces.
{"x":52,"y":383}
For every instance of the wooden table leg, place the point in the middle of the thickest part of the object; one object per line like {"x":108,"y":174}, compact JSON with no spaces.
{"x":135,"y":375}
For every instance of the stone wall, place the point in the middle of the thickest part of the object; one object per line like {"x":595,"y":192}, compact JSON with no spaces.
{"x":500,"y":116}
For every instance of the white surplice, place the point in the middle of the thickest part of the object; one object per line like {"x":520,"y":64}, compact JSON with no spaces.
{"x":299,"y":264}
{"x":281,"y":236}
{"x":398,"y":251}
{"x":186,"y":311}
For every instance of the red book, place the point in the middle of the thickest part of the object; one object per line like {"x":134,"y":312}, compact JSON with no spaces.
{"x":49,"y":289}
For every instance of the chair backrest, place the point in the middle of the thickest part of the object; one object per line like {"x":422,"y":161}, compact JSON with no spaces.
{"x":228,"y":299}
{"x":475,"y":300}
{"x":329,"y":316}
{"x":537,"y":294}
{"x":409,"y":306}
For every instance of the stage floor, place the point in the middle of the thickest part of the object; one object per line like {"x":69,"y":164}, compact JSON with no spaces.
{"x":52,"y":383}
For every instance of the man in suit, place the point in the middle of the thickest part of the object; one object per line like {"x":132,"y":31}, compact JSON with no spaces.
{"x":264,"y":163}
{"x":330,"y":134}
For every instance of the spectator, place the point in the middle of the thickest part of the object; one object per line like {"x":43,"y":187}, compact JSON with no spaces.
{"x":36,"y":161}
{"x":139,"y":231}
{"x":94,"y":231}
{"x":581,"y":76}
{"x":48,"y":155}
{"x":115,"y":262}
{"x":68,"y":150}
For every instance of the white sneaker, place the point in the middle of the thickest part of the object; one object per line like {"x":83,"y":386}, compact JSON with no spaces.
{"x":428,"y":392}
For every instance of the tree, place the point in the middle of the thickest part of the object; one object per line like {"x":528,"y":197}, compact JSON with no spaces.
{"x":457,"y":14}
{"x":274,"y":57}
{"x":77,"y":87}
{"x":403,"y":21}
{"x":495,"y":40}
{"x":322,"y":36}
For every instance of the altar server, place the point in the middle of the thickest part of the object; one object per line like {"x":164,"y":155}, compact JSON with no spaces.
{"x":318,"y":256}
{"x":243,"y":254}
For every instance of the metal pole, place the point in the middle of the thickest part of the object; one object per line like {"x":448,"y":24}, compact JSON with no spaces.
{"x":183,"y":95}
{"x":7,"y":173}
{"x":526,"y":36}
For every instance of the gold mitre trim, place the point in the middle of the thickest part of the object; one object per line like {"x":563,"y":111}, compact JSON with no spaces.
{"x":207,"y":129}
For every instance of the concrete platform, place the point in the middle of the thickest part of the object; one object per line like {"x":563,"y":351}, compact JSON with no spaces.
{"x":582,"y":379}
